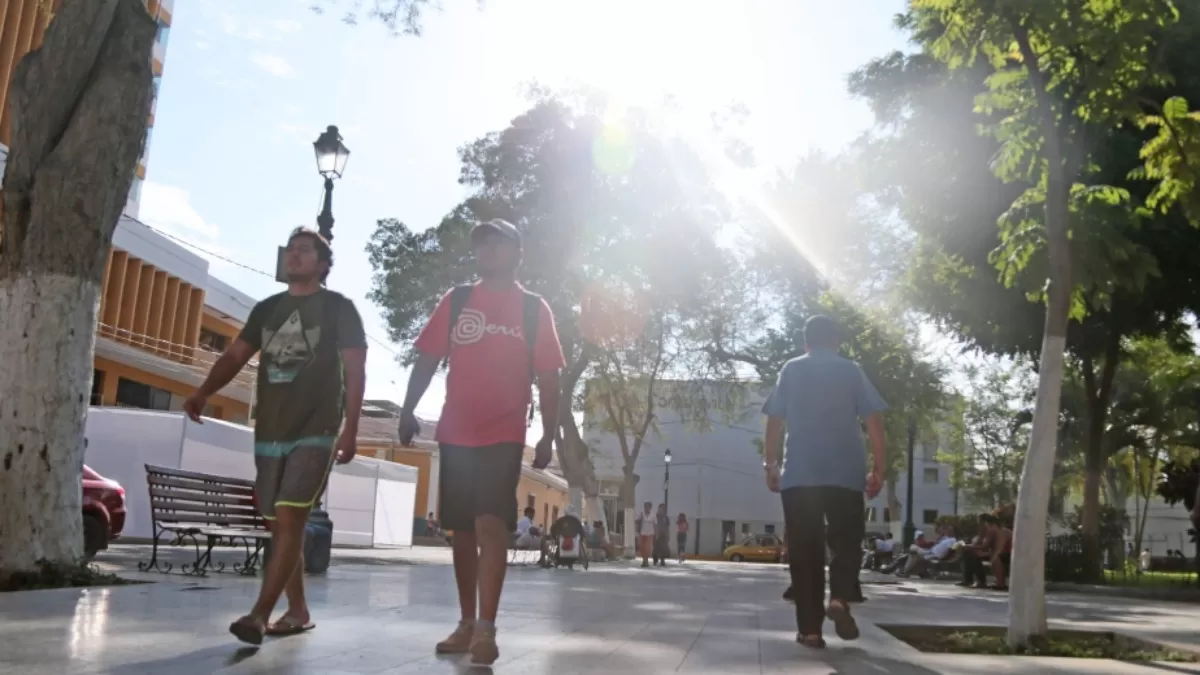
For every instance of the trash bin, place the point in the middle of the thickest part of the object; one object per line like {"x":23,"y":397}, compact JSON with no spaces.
{"x":318,"y":540}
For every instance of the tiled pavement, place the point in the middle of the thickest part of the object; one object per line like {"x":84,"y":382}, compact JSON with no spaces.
{"x":378,"y":613}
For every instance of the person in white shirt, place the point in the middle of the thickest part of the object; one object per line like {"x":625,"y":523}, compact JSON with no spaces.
{"x":923,"y":559}
{"x":528,"y":535}
{"x":645,"y":524}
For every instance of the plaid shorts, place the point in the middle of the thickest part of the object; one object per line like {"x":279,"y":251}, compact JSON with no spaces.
{"x":292,"y":473}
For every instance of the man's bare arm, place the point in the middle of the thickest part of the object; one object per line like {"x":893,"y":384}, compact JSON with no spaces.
{"x":548,"y":392}
{"x":773,"y":443}
{"x":354,"y":373}
{"x":418,"y":381}
{"x":228,"y":365}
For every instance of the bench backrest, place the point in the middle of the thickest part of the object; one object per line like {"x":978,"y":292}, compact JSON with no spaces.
{"x":178,"y":496}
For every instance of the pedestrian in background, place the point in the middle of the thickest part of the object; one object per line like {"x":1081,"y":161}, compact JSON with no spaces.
{"x":818,"y":405}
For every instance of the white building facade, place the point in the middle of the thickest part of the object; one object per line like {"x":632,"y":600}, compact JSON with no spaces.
{"x":717,"y":480}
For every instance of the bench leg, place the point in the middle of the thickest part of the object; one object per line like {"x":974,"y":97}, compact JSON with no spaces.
{"x":197,"y":569}
{"x":154,"y":563}
{"x":249,"y":567}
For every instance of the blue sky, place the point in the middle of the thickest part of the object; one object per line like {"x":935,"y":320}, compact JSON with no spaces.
{"x":248,"y":86}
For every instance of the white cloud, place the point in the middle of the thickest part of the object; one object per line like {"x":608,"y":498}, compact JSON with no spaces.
{"x":273,"y":64}
{"x":168,"y":209}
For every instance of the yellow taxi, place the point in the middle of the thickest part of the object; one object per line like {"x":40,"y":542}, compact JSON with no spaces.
{"x":757,"y":548}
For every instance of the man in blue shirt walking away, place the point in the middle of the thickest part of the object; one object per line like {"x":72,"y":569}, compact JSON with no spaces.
{"x":820,"y":404}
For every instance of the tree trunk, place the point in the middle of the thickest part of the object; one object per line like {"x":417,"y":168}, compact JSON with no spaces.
{"x":1027,"y":599}
{"x":1089,"y":521}
{"x":79,"y":107}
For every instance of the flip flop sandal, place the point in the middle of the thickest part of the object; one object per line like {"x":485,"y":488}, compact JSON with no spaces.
{"x":288,"y":625}
{"x":843,"y":623}
{"x":811,"y":641}
{"x":248,"y":629}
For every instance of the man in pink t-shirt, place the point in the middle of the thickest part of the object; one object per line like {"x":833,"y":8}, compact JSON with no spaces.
{"x":481,"y":433}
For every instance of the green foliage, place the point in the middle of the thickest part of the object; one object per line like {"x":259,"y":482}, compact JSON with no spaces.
{"x":1113,"y":522}
{"x":1178,"y":483}
{"x":1172,"y":158}
{"x":399,"y":17}
{"x":991,"y":425}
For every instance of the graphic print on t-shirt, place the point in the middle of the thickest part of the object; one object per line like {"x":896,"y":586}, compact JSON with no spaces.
{"x":472,"y":326}
{"x":290,"y":349}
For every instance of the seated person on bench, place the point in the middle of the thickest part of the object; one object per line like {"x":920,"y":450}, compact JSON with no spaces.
{"x":994,"y":544}
{"x":920,"y":543}
{"x":528,"y":535}
{"x":920,"y":560}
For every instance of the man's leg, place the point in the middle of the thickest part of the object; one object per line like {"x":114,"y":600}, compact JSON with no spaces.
{"x":498,"y":470}
{"x":456,"y":495}
{"x":999,"y":570}
{"x":845,"y":511}
{"x":287,"y":544}
{"x":805,"y":527}
{"x":305,"y":472}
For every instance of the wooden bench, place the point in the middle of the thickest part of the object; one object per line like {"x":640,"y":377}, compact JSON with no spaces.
{"x":186,"y":505}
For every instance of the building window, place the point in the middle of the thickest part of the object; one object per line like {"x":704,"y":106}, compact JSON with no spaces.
{"x":97,"y":387}
{"x":871,"y":511}
{"x":137,"y":395}
{"x":929,"y":516}
{"x":545,"y":515}
{"x":929,"y":449}
{"x":769,"y":528}
{"x":213,"y":342}
{"x":164,"y":34}
{"x":531,"y":502}
{"x":931,"y":476}
{"x":887,"y":514}
{"x":745,"y":528}
{"x":553,"y":516}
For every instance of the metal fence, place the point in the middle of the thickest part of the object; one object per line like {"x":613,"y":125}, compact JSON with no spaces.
{"x":1122,"y":566}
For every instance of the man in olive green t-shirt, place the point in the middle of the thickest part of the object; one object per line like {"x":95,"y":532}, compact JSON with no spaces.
{"x":311,"y":375}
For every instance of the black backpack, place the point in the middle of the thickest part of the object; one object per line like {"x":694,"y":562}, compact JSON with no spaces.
{"x":531,"y":311}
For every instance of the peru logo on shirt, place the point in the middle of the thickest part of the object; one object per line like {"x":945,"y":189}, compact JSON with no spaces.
{"x":472,"y":326}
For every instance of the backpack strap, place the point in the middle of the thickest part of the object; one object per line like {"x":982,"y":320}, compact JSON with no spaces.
{"x":458,"y":302}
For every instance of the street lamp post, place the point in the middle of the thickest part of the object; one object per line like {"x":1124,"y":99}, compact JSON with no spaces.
{"x":331,"y":161}
{"x":667,"y":480}
{"x":909,"y":527}
{"x":331,"y":156}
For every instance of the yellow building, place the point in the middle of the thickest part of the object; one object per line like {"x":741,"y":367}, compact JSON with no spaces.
{"x":22,"y":28}
{"x":163,"y":319}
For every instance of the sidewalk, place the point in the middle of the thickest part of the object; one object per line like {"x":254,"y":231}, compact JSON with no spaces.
{"x":381,"y":612}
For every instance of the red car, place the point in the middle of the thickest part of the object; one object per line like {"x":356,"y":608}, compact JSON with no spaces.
{"x":103,"y":512}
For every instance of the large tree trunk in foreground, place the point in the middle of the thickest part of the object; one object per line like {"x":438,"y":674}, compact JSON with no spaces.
{"x":1027,"y":597}
{"x":79,"y":107}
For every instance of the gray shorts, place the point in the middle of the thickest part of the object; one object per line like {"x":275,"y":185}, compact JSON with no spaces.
{"x":291,"y":474}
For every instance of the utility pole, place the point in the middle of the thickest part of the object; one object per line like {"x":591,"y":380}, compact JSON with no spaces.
{"x":910,"y":527}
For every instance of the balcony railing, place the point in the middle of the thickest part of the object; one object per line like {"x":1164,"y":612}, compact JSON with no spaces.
{"x":197,"y":359}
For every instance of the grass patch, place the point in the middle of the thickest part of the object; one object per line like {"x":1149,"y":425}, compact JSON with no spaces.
{"x":49,"y":575}
{"x":1150,"y":579}
{"x":1061,"y":643}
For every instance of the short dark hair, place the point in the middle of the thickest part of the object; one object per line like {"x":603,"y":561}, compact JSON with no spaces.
{"x":324,"y":251}
{"x":820,"y":331}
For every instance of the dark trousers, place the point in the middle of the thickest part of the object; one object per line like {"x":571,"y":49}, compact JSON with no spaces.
{"x":973,"y":571}
{"x":815,"y":517}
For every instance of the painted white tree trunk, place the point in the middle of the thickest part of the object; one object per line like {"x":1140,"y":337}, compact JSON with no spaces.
{"x":630,"y":533}
{"x":1027,"y":594}
{"x":79,"y":107}
{"x":40,"y":421}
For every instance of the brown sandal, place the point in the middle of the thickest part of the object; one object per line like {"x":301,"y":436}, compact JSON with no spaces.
{"x":248,"y":629}
{"x":843,"y":623}
{"x":811,"y":641}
